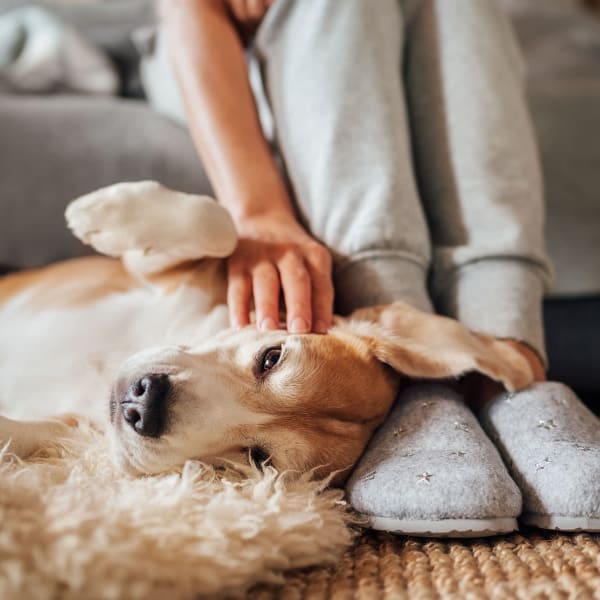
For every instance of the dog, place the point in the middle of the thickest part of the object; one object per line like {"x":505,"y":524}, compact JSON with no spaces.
{"x":137,"y":343}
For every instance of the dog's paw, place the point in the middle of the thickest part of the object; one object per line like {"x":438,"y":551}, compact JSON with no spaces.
{"x":149,"y":218}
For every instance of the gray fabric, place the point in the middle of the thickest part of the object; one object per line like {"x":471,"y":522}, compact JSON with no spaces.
{"x":561,"y":44}
{"x":56,"y":148}
{"x":105,"y":23}
{"x":108,"y":25}
{"x":490,"y":296}
{"x":47,"y":55}
{"x":478,"y":168}
{"x":158,"y":78}
{"x":365,"y":282}
{"x":380,"y":226}
{"x":551,"y":444}
{"x":430,"y":461}
{"x":562,"y":47}
{"x":479,"y":179}
{"x":342,"y":230}
{"x":342,"y":129}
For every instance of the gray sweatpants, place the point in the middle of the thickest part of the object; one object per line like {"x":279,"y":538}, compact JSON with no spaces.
{"x":406,"y":138}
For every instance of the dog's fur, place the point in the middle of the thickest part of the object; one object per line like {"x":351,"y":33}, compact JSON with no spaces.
{"x":77,"y":334}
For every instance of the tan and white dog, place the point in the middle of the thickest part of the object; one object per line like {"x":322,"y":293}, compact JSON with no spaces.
{"x":139,"y":344}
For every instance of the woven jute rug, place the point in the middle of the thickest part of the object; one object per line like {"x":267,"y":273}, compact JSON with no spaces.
{"x":528,"y":565}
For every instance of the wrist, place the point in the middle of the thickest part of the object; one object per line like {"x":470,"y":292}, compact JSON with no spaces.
{"x":271,"y":204}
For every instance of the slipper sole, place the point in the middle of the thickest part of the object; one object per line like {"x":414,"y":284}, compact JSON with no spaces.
{"x":457,"y":528}
{"x":562,"y":523}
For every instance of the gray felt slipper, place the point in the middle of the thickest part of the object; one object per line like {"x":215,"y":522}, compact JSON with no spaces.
{"x":430,"y":470}
{"x":551,"y":444}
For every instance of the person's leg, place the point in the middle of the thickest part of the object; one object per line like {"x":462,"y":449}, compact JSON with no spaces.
{"x":331,"y":71}
{"x":481,"y":185}
{"x":478,"y":167}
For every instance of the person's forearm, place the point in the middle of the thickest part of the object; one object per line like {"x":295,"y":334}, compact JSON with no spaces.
{"x":209,"y":61}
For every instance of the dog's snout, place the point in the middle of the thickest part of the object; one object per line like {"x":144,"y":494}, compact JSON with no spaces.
{"x":144,"y":406}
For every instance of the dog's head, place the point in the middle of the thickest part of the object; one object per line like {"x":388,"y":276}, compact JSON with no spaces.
{"x":300,"y":401}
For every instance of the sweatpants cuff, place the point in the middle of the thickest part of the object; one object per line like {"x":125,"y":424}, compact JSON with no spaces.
{"x":371,"y":280}
{"x":498,"y":297}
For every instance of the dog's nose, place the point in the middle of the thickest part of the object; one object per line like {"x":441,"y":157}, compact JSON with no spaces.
{"x":144,"y":405}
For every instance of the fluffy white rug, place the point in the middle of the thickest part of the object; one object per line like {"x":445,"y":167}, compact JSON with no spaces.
{"x":71,"y":526}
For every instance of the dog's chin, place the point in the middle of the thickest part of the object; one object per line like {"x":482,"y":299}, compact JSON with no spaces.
{"x":122,"y":463}
{"x":139,"y":460}
{"x":123,"y":459}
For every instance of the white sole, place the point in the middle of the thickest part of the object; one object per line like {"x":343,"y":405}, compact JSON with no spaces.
{"x":456,"y":528}
{"x":562,"y":523}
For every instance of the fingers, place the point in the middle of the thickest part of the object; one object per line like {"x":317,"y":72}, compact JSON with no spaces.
{"x":238,"y":8}
{"x":319,"y":266}
{"x":239,"y":292}
{"x":265,"y":286}
{"x":296,"y":284}
{"x":255,"y":9}
{"x":261,"y":271}
{"x":248,"y":12}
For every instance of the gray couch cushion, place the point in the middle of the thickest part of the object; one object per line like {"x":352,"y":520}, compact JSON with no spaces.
{"x":55,"y":148}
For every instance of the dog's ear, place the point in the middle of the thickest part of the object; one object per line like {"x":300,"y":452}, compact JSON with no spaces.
{"x":427,"y":346}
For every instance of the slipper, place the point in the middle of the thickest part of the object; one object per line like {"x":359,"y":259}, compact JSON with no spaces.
{"x":550,"y":442}
{"x":430,"y":470}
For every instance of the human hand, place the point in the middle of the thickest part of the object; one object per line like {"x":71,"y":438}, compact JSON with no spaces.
{"x":248,"y":13}
{"x":276,"y":254}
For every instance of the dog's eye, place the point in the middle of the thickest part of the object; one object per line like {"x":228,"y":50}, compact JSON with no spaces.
{"x":269,"y":358}
{"x":258,"y":456}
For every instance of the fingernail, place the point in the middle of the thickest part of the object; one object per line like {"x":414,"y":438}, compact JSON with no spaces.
{"x":268,"y":324}
{"x":299,"y":325}
{"x":321,"y":327}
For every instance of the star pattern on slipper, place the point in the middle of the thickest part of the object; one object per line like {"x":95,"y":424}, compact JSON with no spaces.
{"x":458,"y":453}
{"x":398,"y":431}
{"x":559,"y":400}
{"x":582,"y":447}
{"x":540,"y":466}
{"x":424,"y":477}
{"x":546,"y":424}
{"x":461,"y":426}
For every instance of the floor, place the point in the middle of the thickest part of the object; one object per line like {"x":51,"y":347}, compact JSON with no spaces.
{"x":528,"y":565}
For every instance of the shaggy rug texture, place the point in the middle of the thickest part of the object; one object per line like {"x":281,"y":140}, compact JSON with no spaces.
{"x":71,"y":526}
